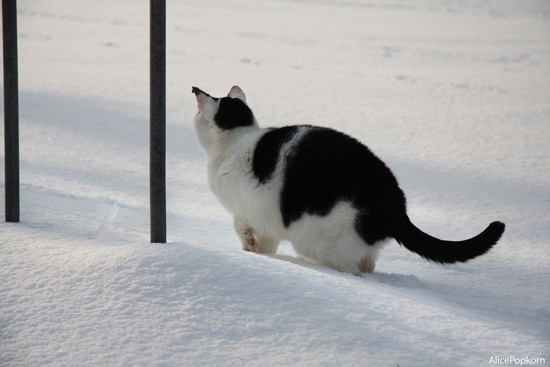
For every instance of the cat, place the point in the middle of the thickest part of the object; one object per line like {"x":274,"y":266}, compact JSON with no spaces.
{"x":318,"y":188}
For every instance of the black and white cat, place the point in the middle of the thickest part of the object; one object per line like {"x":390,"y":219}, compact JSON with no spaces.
{"x":321,"y":190}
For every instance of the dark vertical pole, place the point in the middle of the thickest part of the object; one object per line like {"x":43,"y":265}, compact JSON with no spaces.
{"x":157,"y":163}
{"x":11,"y":109}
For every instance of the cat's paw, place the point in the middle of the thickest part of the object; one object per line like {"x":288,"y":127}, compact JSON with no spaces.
{"x":251,"y":245}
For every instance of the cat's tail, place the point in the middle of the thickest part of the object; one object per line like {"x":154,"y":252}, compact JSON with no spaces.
{"x":447,"y":252}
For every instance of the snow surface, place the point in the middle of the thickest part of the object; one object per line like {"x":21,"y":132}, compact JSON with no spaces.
{"x":453,"y":95}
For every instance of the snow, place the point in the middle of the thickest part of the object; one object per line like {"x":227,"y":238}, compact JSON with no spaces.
{"x":453,"y":96}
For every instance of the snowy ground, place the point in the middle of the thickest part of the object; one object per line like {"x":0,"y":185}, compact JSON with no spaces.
{"x":453,"y":96}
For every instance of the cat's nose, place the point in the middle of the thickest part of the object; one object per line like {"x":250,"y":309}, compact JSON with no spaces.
{"x":197,"y":91}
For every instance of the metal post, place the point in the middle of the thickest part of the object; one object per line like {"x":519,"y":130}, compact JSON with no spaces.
{"x":11,"y":109}
{"x":157,"y":163}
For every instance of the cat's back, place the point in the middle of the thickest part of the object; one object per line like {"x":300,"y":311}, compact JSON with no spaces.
{"x":312,"y":155}
{"x":317,"y":167}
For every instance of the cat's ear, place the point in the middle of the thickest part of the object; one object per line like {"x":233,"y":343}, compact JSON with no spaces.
{"x":237,"y":92}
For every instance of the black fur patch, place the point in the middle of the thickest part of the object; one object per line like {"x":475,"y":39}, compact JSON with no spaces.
{"x":267,"y":151}
{"x":233,"y":113}
{"x":328,"y":166}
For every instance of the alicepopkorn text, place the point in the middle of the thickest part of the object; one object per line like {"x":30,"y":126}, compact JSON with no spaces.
{"x":518,"y":361}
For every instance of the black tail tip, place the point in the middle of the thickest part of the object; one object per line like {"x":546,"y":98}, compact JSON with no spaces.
{"x":496,"y":229}
{"x":481,"y":244}
{"x":493,"y":233}
{"x":196,"y":91}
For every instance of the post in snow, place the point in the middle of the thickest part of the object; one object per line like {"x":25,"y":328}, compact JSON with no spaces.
{"x":157,"y":149}
{"x":11,"y":109}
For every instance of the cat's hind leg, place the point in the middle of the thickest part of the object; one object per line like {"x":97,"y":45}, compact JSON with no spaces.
{"x":348,"y":254}
{"x":333,"y":241}
{"x":368,"y":263}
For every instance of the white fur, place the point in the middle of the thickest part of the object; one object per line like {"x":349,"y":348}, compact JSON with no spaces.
{"x":330,"y":240}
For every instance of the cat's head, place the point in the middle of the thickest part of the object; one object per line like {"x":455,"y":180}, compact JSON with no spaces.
{"x":217,"y":115}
